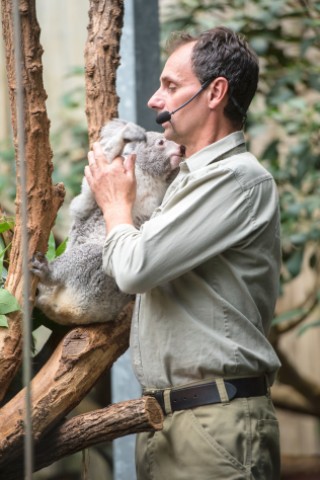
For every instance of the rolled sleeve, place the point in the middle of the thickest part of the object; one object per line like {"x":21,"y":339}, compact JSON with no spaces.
{"x":118,"y":240}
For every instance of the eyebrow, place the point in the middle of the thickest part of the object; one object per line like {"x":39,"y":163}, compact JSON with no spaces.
{"x":168,"y":79}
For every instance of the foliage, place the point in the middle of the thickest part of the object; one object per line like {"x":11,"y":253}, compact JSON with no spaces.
{"x":69,"y":142}
{"x":53,"y":251}
{"x":6,"y":224}
{"x":7,"y":174}
{"x":284,"y":124}
{"x":70,"y":139}
{"x":8,"y":302}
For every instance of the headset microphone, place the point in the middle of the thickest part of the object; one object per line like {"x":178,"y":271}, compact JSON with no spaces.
{"x":163,"y":117}
{"x":166,"y":116}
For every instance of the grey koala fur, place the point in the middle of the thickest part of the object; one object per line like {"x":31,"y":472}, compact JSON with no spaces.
{"x":73,"y":289}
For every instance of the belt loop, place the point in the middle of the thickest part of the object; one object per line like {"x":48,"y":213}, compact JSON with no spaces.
{"x":167,"y":401}
{"x":222,"y":390}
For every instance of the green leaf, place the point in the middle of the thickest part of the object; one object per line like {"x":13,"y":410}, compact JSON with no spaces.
{"x":4,"y":249}
{"x":54,"y":252}
{"x":304,"y":328}
{"x":51,"y":252}
{"x":8,"y":303}
{"x":6,"y":225}
{"x":4,"y":321}
{"x":61,"y":248}
{"x":289,"y":315}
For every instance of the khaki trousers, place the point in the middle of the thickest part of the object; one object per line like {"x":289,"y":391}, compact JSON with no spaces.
{"x":237,"y":440}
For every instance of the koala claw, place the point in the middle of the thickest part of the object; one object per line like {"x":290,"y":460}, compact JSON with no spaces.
{"x":39,"y":265}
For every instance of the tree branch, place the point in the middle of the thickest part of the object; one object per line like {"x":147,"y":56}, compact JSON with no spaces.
{"x":290,"y":375}
{"x":89,"y":429}
{"x":73,"y":368}
{"x":287,"y":398}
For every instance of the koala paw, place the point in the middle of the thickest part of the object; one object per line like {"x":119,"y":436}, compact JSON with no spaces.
{"x":39,"y":265}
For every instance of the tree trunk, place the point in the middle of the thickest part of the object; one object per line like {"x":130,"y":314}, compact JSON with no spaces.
{"x":90,"y":429}
{"x":102,"y":59}
{"x":44,"y":199}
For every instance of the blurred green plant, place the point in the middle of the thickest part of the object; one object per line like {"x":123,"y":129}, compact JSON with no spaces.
{"x":283,"y":126}
{"x":69,"y":141}
{"x":8,"y":303}
{"x":7,"y":175}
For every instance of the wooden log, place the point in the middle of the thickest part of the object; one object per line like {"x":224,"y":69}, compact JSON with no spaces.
{"x":89,"y":429}
{"x":73,"y":368}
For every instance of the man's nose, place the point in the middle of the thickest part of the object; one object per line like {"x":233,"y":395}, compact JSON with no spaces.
{"x":156,"y":101}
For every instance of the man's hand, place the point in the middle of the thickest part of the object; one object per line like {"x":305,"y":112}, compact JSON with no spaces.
{"x":113,"y":185}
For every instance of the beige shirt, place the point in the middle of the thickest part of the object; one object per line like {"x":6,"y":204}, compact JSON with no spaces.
{"x":206,"y":266}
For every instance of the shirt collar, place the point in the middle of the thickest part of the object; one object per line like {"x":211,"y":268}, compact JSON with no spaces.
{"x":213,"y":152}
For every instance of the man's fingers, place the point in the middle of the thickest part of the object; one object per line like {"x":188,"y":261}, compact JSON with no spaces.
{"x":88,"y":175}
{"x":129,"y":162}
{"x":98,"y":154}
{"x":91,"y":159}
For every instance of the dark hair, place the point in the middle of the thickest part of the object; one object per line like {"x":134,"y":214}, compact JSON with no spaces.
{"x":220,"y":52}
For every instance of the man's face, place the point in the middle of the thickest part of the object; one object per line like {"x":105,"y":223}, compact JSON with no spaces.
{"x":178,"y":84}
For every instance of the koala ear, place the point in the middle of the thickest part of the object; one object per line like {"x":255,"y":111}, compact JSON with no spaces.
{"x":133,"y":133}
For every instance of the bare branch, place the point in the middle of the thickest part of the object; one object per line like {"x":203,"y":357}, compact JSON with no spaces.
{"x":73,"y":368}
{"x":89,"y":429}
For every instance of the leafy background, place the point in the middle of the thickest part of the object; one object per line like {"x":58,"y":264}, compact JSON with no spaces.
{"x":283,"y":125}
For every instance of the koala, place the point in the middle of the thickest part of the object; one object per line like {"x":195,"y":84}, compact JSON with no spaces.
{"x":73,"y":289}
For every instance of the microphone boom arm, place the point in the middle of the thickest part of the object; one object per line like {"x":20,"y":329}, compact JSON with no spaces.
{"x":166,"y":116}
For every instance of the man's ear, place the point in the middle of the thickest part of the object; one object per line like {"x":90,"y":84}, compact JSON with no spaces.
{"x":218,"y":92}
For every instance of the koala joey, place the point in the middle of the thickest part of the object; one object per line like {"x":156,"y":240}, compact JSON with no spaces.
{"x":73,"y":288}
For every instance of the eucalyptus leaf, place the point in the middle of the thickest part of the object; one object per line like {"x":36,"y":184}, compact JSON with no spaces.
{"x":51,"y":252}
{"x":8,"y":302}
{"x":3,"y":321}
{"x":310,"y":325}
{"x":6,"y":224}
{"x":61,"y":248}
{"x":289,"y":316}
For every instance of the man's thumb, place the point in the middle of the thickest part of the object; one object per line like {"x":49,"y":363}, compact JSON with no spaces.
{"x":129,"y":162}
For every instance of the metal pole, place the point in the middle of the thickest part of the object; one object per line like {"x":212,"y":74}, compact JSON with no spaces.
{"x":137,"y":79}
{"x":27,"y":369}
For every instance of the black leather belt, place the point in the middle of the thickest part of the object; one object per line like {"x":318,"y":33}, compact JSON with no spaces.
{"x":207,"y":393}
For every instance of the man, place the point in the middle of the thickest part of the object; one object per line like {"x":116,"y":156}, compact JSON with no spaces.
{"x":206,"y":267}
